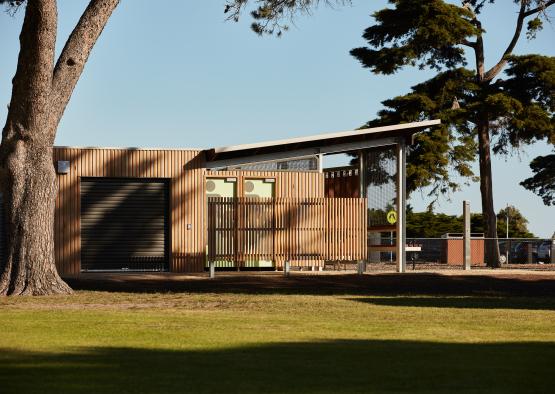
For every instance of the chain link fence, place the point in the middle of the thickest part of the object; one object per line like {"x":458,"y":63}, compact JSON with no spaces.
{"x":447,"y":253}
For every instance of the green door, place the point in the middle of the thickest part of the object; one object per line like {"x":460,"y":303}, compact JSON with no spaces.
{"x":222,"y":187}
{"x":261,"y":188}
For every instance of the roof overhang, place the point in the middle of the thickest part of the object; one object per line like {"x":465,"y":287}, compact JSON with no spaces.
{"x":344,"y":141}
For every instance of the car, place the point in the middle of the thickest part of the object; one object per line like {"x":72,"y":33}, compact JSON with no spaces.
{"x":519,"y":252}
{"x":544,"y":251}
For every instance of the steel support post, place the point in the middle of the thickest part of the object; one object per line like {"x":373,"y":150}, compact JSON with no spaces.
{"x":212,"y":269}
{"x":363,"y":192}
{"x":362,"y":174}
{"x":401,"y":206}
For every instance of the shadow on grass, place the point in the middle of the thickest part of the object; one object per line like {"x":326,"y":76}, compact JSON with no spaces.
{"x":326,"y":367}
{"x":382,"y":284}
{"x":524,"y":303}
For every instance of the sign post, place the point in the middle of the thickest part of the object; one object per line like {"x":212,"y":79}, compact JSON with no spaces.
{"x":391,"y":217}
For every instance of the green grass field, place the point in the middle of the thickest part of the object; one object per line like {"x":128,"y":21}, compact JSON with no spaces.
{"x":100,"y":342}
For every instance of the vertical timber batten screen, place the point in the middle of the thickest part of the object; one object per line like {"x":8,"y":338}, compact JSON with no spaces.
{"x":182,"y":169}
{"x":286,"y":229}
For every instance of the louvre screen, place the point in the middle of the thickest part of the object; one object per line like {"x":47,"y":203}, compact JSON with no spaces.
{"x":300,"y":164}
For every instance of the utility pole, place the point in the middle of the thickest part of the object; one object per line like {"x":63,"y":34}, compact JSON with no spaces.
{"x":507,"y":214}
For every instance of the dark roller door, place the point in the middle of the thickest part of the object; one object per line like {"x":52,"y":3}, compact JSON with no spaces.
{"x":124,"y":225}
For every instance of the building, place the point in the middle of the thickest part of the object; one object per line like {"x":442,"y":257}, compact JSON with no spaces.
{"x":172,"y":209}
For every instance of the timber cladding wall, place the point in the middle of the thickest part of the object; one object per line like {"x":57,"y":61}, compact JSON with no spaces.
{"x":185,"y":172}
{"x":288,"y":184}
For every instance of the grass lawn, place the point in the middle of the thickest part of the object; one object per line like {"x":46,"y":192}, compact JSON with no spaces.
{"x":101,"y":342}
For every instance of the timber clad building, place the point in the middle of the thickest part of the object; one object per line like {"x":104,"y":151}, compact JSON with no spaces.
{"x":249,"y":206}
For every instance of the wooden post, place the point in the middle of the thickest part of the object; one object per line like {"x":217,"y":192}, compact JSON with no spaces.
{"x":466,"y":236}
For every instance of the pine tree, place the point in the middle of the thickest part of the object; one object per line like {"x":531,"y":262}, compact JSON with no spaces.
{"x":495,"y":110}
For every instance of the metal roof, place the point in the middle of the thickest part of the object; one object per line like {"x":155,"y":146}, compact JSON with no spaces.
{"x":127,"y":148}
{"x":302,"y":146}
{"x":349,"y":139}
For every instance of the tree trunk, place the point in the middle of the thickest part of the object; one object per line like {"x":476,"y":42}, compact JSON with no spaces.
{"x":486,"y":189}
{"x":29,"y":189}
{"x":27,"y":177}
{"x":41,"y":91}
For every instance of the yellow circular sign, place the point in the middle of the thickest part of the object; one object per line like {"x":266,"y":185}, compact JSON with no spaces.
{"x":392,"y":217}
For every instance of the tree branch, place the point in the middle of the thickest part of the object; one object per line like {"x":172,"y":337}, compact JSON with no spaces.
{"x":33,"y":77}
{"x":469,"y":43}
{"x":76,"y":51}
{"x":539,"y":8}
{"x":495,"y":70}
{"x":478,"y":45}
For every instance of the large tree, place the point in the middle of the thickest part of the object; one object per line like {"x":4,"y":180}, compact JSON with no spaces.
{"x":42,"y":88}
{"x":504,"y":107}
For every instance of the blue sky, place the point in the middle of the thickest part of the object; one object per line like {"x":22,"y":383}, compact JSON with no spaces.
{"x":179,"y":75}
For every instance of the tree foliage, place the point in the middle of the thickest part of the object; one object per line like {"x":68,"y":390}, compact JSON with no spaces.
{"x":543,"y":181}
{"x":274,"y":16}
{"x":12,"y":3}
{"x":433,"y":225}
{"x":521,"y":110}
{"x":433,"y":34}
{"x":518,"y":224}
{"x":440,"y":149}
{"x":424,"y":33}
